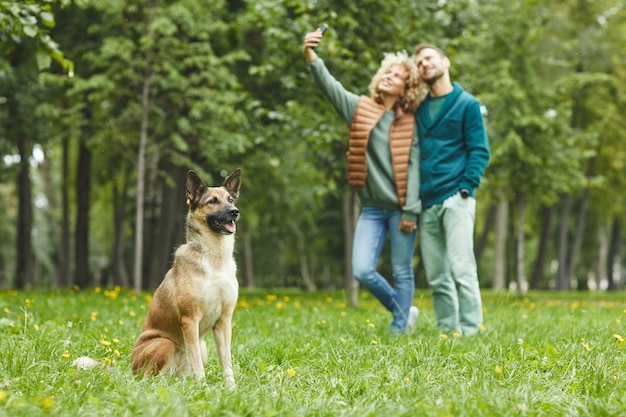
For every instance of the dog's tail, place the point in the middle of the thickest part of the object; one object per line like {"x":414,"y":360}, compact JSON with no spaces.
{"x":85,"y":362}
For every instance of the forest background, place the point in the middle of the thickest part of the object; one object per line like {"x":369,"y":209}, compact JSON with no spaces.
{"x":104,"y":106}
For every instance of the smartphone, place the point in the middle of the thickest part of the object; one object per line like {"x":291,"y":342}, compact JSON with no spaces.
{"x":323,"y":27}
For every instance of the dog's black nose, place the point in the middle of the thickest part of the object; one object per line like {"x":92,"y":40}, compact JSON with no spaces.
{"x":234,"y":213}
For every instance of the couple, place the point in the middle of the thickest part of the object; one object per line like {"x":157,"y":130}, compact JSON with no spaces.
{"x":414,"y":157}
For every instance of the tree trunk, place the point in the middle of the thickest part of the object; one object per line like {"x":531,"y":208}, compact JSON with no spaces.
{"x":20,"y":128}
{"x":578,"y":239}
{"x":350,"y":217}
{"x":502,"y":220}
{"x":603,"y":251}
{"x":484,"y":236}
{"x":24,"y":260}
{"x":563,"y":282}
{"x":82,"y":277}
{"x":141,"y":173}
{"x":520,"y":273}
{"x":65,"y":262}
{"x":613,"y":255}
{"x":3,"y":275}
{"x":169,"y":232}
{"x":248,"y":266}
{"x":540,"y":259}
{"x":305,"y":272}
{"x":118,"y":260}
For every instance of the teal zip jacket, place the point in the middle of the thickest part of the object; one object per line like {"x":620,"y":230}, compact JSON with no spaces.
{"x":454,"y":147}
{"x":380,"y":186}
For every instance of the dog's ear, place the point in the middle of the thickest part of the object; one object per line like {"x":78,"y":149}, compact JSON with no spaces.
{"x":195,"y":187}
{"x":232,"y":183}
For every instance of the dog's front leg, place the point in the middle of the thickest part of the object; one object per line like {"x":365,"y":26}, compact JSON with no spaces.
{"x":191,"y":334}
{"x":222,"y":334}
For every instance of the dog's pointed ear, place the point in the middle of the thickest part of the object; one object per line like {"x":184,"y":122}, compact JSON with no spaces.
{"x":233,"y":182}
{"x":195,"y":187}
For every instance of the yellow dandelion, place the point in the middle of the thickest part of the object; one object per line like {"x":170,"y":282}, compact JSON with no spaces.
{"x":618,"y":338}
{"x":116,"y":340}
{"x":406,"y":380}
{"x":3,"y":396}
{"x":47,"y":403}
{"x":455,"y":335}
{"x":371,"y":325}
{"x":132,"y":313}
{"x":94,"y":315}
{"x":498,"y":370}
{"x":120,"y":322}
{"x":291,"y":372}
{"x":116,"y":353}
{"x":586,"y":347}
{"x":6,"y":309}
{"x":105,"y":343}
{"x":443,"y":336}
{"x":286,"y":298}
{"x":329,"y":299}
{"x":482,"y":327}
{"x":342,"y":314}
{"x":98,"y":290}
{"x":36,"y":327}
{"x":66,"y":354}
{"x":280,"y":305}
{"x":107,"y":361}
{"x":374,"y":342}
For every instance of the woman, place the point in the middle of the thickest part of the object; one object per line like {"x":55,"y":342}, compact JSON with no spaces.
{"x":383,"y":166}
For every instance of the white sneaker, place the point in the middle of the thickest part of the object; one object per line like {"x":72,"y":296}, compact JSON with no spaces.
{"x":413,"y":314}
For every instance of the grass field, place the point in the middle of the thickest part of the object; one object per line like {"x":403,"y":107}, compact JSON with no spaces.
{"x":300,"y":354}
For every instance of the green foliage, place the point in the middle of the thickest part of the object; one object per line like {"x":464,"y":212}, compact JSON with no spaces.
{"x":309,"y":355}
{"x":228,"y":87}
{"x":32,"y":19}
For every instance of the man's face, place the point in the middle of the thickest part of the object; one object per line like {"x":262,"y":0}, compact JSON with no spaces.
{"x":431,"y":65}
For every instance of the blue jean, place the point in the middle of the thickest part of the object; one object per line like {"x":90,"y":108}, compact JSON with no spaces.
{"x":371,"y":231}
{"x":447,"y":243}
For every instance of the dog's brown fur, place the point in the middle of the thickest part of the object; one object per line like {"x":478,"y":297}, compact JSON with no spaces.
{"x":199,"y":292}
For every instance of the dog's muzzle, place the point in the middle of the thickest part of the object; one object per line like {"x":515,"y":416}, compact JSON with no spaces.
{"x":225,"y":222}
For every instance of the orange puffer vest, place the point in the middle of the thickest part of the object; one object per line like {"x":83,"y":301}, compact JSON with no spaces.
{"x":366,"y":115}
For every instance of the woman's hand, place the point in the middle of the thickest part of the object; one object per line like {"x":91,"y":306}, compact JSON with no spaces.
{"x":311,"y":41}
{"x":407,"y":226}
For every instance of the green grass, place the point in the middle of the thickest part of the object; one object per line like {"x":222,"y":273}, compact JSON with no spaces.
{"x":299,"y":354}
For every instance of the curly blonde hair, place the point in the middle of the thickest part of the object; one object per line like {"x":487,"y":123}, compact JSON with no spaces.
{"x":415,"y":88}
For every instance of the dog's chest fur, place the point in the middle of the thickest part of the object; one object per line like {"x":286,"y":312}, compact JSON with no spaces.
{"x":209,"y":277}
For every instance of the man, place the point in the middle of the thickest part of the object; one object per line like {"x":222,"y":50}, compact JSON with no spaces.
{"x":454,"y":153}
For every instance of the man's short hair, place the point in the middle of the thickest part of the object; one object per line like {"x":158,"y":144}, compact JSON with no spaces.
{"x":421,"y":46}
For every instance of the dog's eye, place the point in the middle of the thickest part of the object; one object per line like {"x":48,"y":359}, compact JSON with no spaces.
{"x":230,"y":199}
{"x":213,"y":200}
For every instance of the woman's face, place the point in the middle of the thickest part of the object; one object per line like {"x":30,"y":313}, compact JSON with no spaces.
{"x":393,"y":81}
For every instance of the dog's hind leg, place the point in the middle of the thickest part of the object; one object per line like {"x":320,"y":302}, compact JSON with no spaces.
{"x":222,"y":335}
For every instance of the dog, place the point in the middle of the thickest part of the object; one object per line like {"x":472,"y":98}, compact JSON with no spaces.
{"x":199,"y":292}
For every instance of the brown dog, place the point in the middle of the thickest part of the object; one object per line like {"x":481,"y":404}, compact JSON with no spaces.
{"x":199,"y":292}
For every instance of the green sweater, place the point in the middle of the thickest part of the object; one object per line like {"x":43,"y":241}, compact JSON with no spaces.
{"x":380,"y":187}
{"x":454,"y":147}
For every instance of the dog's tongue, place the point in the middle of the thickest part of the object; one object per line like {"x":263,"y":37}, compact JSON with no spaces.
{"x":230,"y":226}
